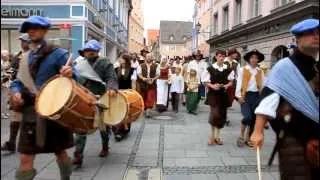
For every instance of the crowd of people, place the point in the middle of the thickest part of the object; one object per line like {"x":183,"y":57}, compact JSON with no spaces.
{"x":184,"y":81}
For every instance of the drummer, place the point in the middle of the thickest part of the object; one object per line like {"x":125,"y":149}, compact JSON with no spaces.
{"x":97,"y":74}
{"x":39,"y":135}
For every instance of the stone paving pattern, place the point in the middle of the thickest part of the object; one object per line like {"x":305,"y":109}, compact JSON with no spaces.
{"x":178,"y":147}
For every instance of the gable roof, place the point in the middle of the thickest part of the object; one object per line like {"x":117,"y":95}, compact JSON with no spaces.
{"x":175,"y":32}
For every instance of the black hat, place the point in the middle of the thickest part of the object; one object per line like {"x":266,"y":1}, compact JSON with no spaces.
{"x":256,"y":52}
{"x":145,"y":49}
{"x":198,"y":53}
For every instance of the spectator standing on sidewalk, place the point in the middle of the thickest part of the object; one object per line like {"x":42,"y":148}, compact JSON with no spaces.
{"x":17,"y":115}
{"x":5,"y":80}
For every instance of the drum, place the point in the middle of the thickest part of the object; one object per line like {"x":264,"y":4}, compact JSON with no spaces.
{"x":62,"y":100}
{"x":126,"y":107}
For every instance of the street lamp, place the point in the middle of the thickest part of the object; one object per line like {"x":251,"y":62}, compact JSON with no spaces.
{"x":198,"y":28}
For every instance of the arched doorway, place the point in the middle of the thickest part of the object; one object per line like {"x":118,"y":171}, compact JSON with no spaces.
{"x":278,"y":53}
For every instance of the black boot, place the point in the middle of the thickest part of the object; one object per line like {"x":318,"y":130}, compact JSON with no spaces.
{"x":65,"y":169}
{"x":11,"y":144}
{"x":78,"y":159}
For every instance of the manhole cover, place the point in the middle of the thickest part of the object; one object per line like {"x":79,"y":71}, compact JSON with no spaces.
{"x":163,"y":117}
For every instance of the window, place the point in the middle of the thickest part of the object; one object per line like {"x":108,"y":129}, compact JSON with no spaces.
{"x":116,"y":7}
{"x":238,"y":12}
{"x":171,"y":38}
{"x":172,"y":48}
{"x":255,"y":6}
{"x":225,"y":25}
{"x":215,"y":24}
{"x":279,"y":3}
{"x":111,"y":3}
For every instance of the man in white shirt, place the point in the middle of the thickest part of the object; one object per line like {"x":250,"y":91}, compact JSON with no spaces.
{"x":148,"y":73}
{"x":249,"y":83}
{"x":176,"y":89}
{"x":201,"y":66}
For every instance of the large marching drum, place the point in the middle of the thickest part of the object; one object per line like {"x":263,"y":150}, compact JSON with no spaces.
{"x":126,"y":107}
{"x":73,"y":106}
{"x":63,"y":100}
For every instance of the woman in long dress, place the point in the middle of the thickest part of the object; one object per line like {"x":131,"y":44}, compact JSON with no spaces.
{"x":125,"y":73}
{"x":162,"y":86}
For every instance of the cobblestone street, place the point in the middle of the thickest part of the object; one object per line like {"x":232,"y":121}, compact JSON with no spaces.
{"x":169,"y":147}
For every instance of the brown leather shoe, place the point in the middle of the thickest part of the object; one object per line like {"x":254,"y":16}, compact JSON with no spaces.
{"x":218,"y":141}
{"x":104,"y":152}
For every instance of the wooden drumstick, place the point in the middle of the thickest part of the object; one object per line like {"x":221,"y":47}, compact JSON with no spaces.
{"x":259,"y":163}
{"x":69,"y":60}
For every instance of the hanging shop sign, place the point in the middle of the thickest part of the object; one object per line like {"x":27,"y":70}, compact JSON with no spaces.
{"x":12,"y":12}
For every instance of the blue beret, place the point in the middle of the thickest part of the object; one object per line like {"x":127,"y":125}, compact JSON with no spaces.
{"x":305,"y":26}
{"x":35,"y":21}
{"x":92,"y":45}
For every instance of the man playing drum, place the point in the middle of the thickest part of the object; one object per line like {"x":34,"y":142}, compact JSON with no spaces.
{"x":97,"y":74}
{"x":39,"y":135}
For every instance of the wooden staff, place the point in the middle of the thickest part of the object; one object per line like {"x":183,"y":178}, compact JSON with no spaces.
{"x":259,"y":163}
{"x":69,"y":60}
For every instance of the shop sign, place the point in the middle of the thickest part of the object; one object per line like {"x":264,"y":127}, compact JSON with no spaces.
{"x":97,"y":22}
{"x":12,"y":12}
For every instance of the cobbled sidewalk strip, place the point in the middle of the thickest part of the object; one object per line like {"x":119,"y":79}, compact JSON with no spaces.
{"x":135,"y":147}
{"x":161,"y":147}
{"x":217,"y":169}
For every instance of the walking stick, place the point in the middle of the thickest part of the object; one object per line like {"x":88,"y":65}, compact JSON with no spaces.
{"x":259,"y":163}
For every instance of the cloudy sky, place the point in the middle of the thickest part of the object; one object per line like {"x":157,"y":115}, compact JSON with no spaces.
{"x":156,"y":10}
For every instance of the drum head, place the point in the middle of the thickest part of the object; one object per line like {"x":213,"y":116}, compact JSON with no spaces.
{"x":54,"y":95}
{"x":117,"y":108}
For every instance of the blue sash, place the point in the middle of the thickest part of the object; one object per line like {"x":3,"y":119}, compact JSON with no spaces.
{"x":286,"y":80}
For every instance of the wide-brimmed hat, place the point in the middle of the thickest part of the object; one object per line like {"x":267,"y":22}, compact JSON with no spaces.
{"x":92,"y":45}
{"x":35,"y":22}
{"x":247,"y":56}
{"x":198,"y":53}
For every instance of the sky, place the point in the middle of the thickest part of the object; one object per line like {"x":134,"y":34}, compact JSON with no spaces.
{"x":156,"y":10}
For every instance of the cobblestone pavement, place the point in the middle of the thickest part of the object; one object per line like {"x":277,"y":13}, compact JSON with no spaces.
{"x":168,"y":146}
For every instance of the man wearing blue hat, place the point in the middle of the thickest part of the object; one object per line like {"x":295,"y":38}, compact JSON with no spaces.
{"x":38,"y":135}
{"x":290,"y":102}
{"x":97,"y":74}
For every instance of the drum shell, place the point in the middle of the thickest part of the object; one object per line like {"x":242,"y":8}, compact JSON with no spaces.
{"x":79,"y":111}
{"x":135,"y":104}
{"x":133,"y":107}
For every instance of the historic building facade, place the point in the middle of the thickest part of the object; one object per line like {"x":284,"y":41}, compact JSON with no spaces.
{"x":74,"y":22}
{"x":174,"y":38}
{"x":203,"y":17}
{"x":260,"y":24}
{"x":136,"y":27}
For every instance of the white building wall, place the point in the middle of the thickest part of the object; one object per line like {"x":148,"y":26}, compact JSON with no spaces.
{"x":266,"y":6}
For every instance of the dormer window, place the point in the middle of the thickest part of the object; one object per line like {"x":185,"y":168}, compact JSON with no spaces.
{"x":185,"y":38}
{"x":171,"y":38}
